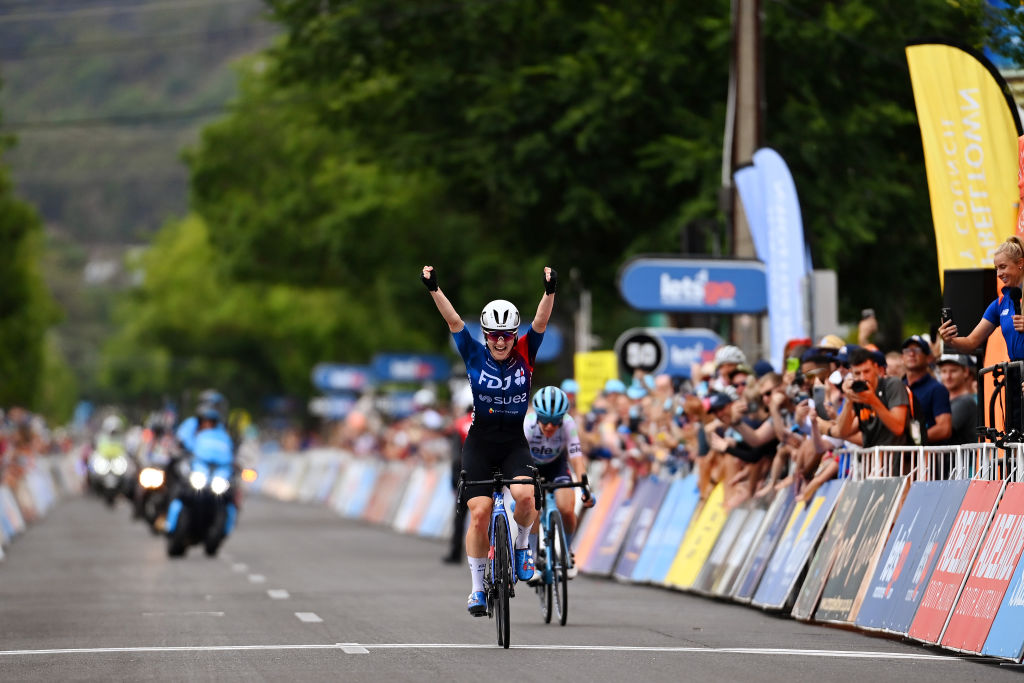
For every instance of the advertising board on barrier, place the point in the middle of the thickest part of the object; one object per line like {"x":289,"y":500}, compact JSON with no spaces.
{"x":955,"y":559}
{"x":613,"y":490}
{"x":734,"y":522}
{"x":669,"y":528}
{"x":821,"y":564}
{"x":905,"y":564}
{"x":645,"y":510}
{"x":1006,"y":638}
{"x":699,"y":540}
{"x":740,"y":548}
{"x":694,"y":285}
{"x":437,"y":520}
{"x":802,"y":532}
{"x":341,"y":377}
{"x":847,"y":581}
{"x":764,"y":544}
{"x":990,"y":575}
{"x":606,"y":552}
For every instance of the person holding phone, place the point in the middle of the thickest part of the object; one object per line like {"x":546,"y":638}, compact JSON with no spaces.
{"x":1004,"y":312}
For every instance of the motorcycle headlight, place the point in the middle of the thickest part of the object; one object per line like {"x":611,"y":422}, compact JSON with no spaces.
{"x":100,"y":465}
{"x":197,"y":479}
{"x":151,"y":478}
{"x":219,"y":485}
{"x":119,"y":465}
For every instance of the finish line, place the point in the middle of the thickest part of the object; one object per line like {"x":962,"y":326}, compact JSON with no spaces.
{"x":366,"y":648}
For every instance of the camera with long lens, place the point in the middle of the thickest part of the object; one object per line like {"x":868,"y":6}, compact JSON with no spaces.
{"x":796,"y":391}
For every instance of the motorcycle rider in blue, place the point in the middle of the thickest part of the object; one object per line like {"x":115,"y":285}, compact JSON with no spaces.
{"x":205,"y":438}
{"x":500,"y":373}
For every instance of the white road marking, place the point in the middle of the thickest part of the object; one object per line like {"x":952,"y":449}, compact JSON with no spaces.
{"x":353,"y":649}
{"x":182,"y":614}
{"x":240,"y":566}
{"x":308,"y":617}
{"x":257,"y":578}
{"x":278,"y":594}
{"x":840,"y":654}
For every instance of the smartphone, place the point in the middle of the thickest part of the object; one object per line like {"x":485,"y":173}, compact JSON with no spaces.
{"x":867,"y":313}
{"x":818,"y":394}
{"x":858,"y":386}
{"x":792,"y":364}
{"x":946,"y":314}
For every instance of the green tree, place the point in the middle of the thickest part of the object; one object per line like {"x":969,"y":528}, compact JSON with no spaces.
{"x":26,"y":309}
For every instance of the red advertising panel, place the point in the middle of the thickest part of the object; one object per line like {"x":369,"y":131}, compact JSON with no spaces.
{"x":954,"y":561}
{"x":983,"y":593}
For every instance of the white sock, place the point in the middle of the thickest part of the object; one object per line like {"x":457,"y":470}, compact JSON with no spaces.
{"x":477,"y":565}
{"x":523,"y":537}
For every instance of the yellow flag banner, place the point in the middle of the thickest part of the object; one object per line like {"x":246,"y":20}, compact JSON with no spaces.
{"x":969,"y":128}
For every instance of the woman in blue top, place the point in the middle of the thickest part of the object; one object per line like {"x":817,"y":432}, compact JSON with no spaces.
{"x":499,"y":373}
{"x":1009,"y":263}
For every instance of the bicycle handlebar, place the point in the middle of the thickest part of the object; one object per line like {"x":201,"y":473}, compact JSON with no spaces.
{"x":498,"y":482}
{"x":584,"y":484}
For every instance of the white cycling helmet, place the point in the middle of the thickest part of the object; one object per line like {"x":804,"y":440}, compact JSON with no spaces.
{"x":112,"y":424}
{"x":500,"y":315}
{"x":730,"y":354}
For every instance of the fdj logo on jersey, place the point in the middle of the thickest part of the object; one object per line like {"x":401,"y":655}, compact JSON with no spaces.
{"x":493,"y":382}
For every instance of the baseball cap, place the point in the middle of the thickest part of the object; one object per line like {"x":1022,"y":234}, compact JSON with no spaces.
{"x":762,"y":368}
{"x":831,"y":341}
{"x":721,"y":399}
{"x":843,"y":354}
{"x":614,"y":386}
{"x":960,"y":359}
{"x":919,"y":341}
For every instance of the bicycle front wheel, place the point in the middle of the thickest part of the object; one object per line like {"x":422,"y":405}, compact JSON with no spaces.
{"x":502,"y":579}
{"x":560,"y":568}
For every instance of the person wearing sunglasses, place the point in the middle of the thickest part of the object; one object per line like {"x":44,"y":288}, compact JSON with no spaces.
{"x":555,"y":445}
{"x":500,"y":371}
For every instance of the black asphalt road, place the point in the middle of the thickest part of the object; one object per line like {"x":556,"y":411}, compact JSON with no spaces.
{"x":299,"y":594}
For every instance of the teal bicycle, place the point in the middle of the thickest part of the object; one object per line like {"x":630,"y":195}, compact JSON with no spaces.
{"x":500,"y":575}
{"x":553,"y":556}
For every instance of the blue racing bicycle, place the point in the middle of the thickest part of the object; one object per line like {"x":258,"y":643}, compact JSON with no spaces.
{"x":500,"y":576}
{"x":553,"y":556}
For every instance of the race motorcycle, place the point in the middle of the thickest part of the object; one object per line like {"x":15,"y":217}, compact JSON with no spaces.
{"x":108,"y":473}
{"x":203,"y":511}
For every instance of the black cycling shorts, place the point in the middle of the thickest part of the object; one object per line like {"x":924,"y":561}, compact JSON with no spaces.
{"x":481,"y":456}
{"x":556,"y":471}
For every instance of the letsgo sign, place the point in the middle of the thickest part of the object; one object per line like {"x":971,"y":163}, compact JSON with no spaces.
{"x":407,"y":367}
{"x":664,"y":349}
{"x":694,"y":285}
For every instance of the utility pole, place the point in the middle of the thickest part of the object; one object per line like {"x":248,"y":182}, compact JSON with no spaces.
{"x":742,"y":138}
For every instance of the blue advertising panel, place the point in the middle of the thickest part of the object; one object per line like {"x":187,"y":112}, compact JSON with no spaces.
{"x":333,"y":407}
{"x":341,"y":377}
{"x":665,"y":349}
{"x":925,"y":506}
{"x":642,"y":569}
{"x":778,"y":516}
{"x":439,"y":511}
{"x":550,"y":348}
{"x":794,"y":550}
{"x":410,"y":367}
{"x":606,"y":552}
{"x":694,"y":285}
{"x":396,"y":404}
{"x":910,"y":586}
{"x":639,"y":530}
{"x":668,"y":532}
{"x":1006,"y":639}
{"x":364,"y":491}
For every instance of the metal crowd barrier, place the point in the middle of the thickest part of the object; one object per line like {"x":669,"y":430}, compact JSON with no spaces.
{"x":983,"y":461}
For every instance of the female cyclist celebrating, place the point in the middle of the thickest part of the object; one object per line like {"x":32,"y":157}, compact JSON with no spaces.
{"x":555,"y":445}
{"x":499,"y":374}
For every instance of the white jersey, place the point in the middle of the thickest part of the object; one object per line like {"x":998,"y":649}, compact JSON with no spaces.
{"x":545,"y":450}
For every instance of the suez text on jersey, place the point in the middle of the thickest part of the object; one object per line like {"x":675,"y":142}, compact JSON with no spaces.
{"x":504,"y":400}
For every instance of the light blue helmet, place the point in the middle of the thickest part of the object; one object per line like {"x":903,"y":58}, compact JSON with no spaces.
{"x":551,"y":403}
{"x":570,"y":386}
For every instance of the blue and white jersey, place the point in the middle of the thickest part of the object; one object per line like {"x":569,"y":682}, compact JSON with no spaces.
{"x":214,"y":446}
{"x":501,"y":391}
{"x":1000,"y":314}
{"x":544,"y":450}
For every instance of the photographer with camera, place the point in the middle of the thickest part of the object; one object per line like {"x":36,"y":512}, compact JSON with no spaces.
{"x":875,"y":410}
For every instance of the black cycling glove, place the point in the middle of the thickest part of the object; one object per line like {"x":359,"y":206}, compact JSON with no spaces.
{"x":550,"y":286}
{"x":430,"y":282}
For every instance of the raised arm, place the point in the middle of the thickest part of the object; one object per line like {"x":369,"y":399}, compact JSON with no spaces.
{"x":448,"y":312}
{"x":547,"y":302}
{"x":980,"y":333}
